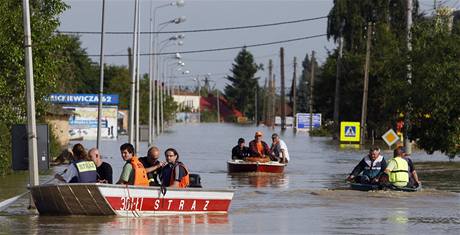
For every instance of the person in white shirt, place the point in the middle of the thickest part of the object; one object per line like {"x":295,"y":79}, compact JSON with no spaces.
{"x":279,"y":149}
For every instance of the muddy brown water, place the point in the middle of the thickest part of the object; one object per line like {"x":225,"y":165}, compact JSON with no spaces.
{"x":311,"y":197}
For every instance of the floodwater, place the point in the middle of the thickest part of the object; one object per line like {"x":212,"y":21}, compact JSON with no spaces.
{"x":311,"y":197}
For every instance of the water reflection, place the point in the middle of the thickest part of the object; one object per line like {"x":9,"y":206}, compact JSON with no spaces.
{"x":259,"y":180}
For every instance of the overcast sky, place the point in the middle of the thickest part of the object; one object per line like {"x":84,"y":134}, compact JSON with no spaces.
{"x":85,"y":15}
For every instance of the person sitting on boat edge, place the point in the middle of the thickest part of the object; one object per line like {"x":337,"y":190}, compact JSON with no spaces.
{"x":414,"y":182}
{"x":152,"y":165}
{"x":81,"y":170}
{"x":398,"y":169}
{"x":257,"y":147}
{"x":133,"y":171}
{"x":279,"y":149}
{"x":104,"y":169}
{"x":240,"y":151}
{"x":372,"y":167}
{"x":175,"y":174}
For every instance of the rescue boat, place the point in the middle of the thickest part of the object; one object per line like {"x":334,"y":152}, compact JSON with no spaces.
{"x":237,"y":165}
{"x":126,"y":200}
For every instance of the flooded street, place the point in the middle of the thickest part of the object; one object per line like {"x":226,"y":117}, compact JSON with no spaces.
{"x":311,"y":197}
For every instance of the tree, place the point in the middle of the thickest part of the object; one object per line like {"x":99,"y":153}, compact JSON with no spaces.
{"x":241,"y":92}
{"x":435,"y":97}
{"x":44,"y":21}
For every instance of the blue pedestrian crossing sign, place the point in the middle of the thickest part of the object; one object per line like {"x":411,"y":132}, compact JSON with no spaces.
{"x":349,"y":131}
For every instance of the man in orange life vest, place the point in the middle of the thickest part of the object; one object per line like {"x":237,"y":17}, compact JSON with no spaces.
{"x":133,"y":171}
{"x":257,"y":147}
{"x":175,"y":174}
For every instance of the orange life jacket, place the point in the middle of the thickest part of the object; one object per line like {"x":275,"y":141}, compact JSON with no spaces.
{"x":185,"y":181}
{"x":260,"y":148}
{"x":140,"y":174}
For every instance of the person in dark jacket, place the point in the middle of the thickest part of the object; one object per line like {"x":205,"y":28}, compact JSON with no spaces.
{"x":104,"y":169}
{"x":153,"y":165}
{"x":240,"y":151}
{"x":81,"y":170}
{"x":372,"y":167}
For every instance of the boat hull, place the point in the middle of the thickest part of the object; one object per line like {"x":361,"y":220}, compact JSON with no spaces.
{"x":123,"y":200}
{"x":373,"y":187}
{"x":240,"y":166}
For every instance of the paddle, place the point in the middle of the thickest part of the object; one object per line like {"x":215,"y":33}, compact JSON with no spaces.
{"x":6,"y":203}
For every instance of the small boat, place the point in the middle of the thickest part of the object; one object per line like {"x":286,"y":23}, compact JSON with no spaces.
{"x":374,"y":187}
{"x":126,"y":200}
{"x":238,"y":165}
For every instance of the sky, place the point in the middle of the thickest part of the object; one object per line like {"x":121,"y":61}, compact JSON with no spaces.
{"x":85,"y":15}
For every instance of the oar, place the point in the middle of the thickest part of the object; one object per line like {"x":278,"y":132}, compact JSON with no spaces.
{"x":6,"y":203}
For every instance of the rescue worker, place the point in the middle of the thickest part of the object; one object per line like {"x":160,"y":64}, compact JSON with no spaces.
{"x":257,"y":147}
{"x":398,"y":169}
{"x":133,"y":171}
{"x":175,"y":174}
{"x":279,"y":149}
{"x":81,"y":170}
{"x":414,"y":182}
{"x":372,"y":167}
{"x":153,"y":165}
{"x":240,"y":151}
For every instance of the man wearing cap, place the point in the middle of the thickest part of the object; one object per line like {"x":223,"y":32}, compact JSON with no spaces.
{"x":259,"y":148}
{"x":240,"y":151}
{"x":398,"y":169}
{"x":279,"y":149}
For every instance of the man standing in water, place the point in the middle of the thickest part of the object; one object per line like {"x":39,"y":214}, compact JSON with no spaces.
{"x":279,"y":149}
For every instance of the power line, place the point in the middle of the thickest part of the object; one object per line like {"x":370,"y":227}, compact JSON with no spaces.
{"x":198,"y":30}
{"x":219,"y":49}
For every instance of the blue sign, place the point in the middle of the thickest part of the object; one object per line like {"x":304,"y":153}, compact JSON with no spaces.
{"x":303,"y":120}
{"x":350,"y":131}
{"x":111,"y":99}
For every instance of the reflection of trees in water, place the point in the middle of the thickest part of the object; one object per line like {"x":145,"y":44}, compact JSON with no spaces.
{"x":259,"y":180}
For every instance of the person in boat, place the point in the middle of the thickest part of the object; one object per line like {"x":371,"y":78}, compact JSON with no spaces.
{"x":371,"y":166}
{"x":279,"y":149}
{"x":133,"y":172}
{"x":240,"y":151}
{"x":175,"y":174}
{"x":81,"y":169}
{"x":398,"y":169}
{"x":104,"y":169}
{"x":414,"y":182}
{"x":153,"y":165}
{"x":257,"y":147}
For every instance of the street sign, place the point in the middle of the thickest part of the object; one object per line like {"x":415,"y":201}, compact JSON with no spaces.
{"x":303,"y":121}
{"x":349,"y":131}
{"x":390,"y":137}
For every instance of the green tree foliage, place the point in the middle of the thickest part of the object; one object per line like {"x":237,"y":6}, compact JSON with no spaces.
{"x":241,"y":92}
{"x":44,"y":21}
{"x":435,"y":95}
{"x":303,"y":86}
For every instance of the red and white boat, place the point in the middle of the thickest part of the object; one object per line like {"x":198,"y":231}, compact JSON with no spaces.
{"x":237,"y":166}
{"x":105,"y":199}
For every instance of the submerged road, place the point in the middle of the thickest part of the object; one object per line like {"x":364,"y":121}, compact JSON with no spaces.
{"x":311,"y":197}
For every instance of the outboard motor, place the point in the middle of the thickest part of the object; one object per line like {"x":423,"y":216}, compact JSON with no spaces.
{"x":195,"y":181}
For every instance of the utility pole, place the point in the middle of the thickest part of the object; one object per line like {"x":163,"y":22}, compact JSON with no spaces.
{"x":133,"y":75}
{"x":366,"y":83}
{"x":218,"y":107}
{"x":407,"y":143}
{"x":31,"y":121}
{"x":270,"y":95}
{"x":101,"y":80}
{"x":337,"y":85}
{"x":256,"y":119}
{"x":294,"y":98}
{"x":282,"y":102}
{"x":137,"y":129}
{"x":274,"y":101}
{"x":264,"y":108}
{"x":151,"y":82}
{"x":312,"y":84}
